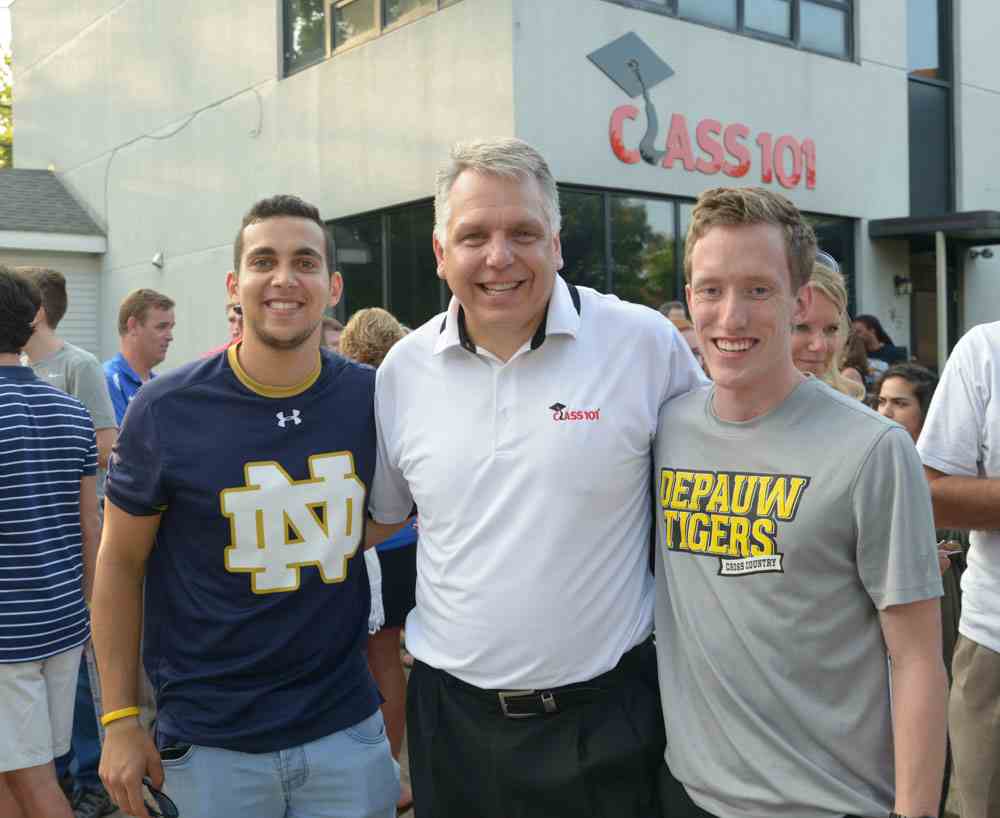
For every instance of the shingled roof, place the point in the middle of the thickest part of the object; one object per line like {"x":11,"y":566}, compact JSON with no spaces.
{"x":35,"y":201}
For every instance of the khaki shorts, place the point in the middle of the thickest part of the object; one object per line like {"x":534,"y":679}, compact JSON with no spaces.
{"x":36,"y":709}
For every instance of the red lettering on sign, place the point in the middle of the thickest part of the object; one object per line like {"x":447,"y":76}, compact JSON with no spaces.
{"x":733,"y":140}
{"x":618,"y":117}
{"x":722,"y":148}
{"x":766,"y":160}
{"x":707,"y":129}
{"x":787,"y":145}
{"x":809,"y":157}
{"x":679,"y":143}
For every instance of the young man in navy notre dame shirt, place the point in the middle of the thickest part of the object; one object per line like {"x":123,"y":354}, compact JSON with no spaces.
{"x":238,"y":492}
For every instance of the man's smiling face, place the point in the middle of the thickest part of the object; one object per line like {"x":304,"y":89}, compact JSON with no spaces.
{"x":499,"y":256}
{"x":284,"y":283}
{"x":743,"y":308}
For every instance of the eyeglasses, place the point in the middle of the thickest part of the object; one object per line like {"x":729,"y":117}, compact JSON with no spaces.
{"x":165,"y":808}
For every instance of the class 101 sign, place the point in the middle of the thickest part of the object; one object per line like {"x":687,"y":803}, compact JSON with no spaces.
{"x":713,"y":147}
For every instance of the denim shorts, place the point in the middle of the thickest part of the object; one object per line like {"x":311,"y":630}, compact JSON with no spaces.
{"x":347,"y":774}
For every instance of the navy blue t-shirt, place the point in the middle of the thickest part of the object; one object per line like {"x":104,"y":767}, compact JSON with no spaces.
{"x":257,"y":596}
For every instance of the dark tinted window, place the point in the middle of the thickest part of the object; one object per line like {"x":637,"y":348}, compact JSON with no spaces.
{"x":359,"y":259}
{"x":930,"y":175}
{"x":414,"y":291}
{"x":583,"y":245}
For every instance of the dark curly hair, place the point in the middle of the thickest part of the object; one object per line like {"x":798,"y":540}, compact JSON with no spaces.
{"x":923,"y":381}
{"x":283,"y":205}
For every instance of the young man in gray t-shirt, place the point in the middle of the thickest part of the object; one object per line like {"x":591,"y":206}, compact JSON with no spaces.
{"x":69,"y":368}
{"x":796,"y":555}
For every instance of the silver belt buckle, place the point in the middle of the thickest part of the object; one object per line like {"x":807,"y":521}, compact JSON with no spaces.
{"x":548,"y":702}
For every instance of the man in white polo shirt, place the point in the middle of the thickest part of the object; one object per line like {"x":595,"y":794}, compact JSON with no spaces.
{"x":520,"y":422}
{"x":961,"y":455}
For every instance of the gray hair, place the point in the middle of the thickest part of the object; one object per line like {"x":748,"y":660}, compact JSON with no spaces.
{"x":505,"y":157}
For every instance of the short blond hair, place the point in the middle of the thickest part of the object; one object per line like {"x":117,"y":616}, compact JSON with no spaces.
{"x":734,"y":206}
{"x":369,"y":335}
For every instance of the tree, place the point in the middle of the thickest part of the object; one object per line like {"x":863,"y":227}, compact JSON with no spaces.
{"x":6,"y":113}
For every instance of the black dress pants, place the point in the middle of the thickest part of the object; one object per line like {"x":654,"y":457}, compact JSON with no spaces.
{"x":597,"y":757}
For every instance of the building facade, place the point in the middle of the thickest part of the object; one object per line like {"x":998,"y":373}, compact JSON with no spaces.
{"x":875,"y":116}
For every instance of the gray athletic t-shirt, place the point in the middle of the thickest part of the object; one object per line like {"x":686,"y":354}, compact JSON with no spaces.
{"x":779,"y":540}
{"x":78,"y":373}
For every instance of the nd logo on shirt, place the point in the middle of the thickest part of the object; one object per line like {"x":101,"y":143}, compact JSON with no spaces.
{"x":279,"y":525}
{"x":733,"y":516}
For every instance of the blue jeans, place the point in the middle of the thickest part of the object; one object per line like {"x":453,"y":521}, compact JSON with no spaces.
{"x":347,"y":774}
{"x":85,"y":749}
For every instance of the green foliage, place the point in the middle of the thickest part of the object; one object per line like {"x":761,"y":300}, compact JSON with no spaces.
{"x":643,"y":256}
{"x":6,"y":113}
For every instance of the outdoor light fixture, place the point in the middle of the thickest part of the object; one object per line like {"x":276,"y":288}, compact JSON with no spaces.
{"x":904,"y":285}
{"x":983,"y":252}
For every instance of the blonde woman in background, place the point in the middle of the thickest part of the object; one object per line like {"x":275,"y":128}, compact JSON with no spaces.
{"x":818,"y":341}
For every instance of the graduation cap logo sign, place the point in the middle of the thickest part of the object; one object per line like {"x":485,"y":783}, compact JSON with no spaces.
{"x":557,"y":407}
{"x":635,"y":68}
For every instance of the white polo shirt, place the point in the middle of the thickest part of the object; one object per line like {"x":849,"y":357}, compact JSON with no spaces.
{"x":532,"y":478}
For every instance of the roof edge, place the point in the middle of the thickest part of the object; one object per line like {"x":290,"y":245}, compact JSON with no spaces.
{"x":52,"y":242}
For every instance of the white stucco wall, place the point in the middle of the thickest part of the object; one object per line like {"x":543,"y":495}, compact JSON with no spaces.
{"x":83,"y":292}
{"x":188,"y":123}
{"x":977,"y":106}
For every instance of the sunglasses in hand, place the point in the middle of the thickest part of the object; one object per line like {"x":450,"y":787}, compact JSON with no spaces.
{"x":157,"y":804}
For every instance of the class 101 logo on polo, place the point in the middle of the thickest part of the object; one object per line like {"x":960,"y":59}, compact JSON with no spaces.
{"x":279,"y":526}
{"x":716,"y":146}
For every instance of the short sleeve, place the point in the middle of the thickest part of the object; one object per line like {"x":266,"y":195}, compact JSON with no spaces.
{"x":135,"y":474}
{"x":950,"y":440}
{"x":90,"y":458}
{"x":896,"y":551}
{"x":91,"y":389}
{"x":391,"y":500}
{"x":119,"y":402}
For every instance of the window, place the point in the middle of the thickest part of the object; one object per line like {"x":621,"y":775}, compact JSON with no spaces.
{"x":720,"y":13}
{"x":414,"y":288}
{"x":926,"y":32}
{"x":620,"y":243}
{"x":835,"y":235}
{"x":358,"y":245}
{"x":823,"y":26}
{"x":633,"y":245}
{"x":315,"y":29}
{"x":643,"y":249}
{"x":823,"y":29}
{"x":582,"y":239}
{"x":305,"y":33}
{"x":772,"y":17}
{"x":387,"y":261}
{"x":931,"y":106}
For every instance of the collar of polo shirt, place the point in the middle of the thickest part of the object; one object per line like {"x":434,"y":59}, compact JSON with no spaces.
{"x":562,"y":317}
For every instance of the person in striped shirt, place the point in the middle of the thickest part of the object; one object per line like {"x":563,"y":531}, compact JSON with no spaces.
{"x":48,"y":548}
